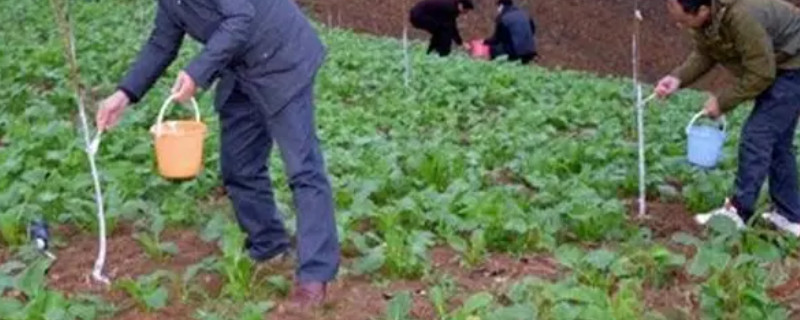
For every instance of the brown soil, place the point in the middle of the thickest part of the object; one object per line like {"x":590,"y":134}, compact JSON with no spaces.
{"x":678,"y":299}
{"x":665,"y":219}
{"x":359,"y":298}
{"x":351,"y":297}
{"x":675,"y":301}
{"x":593,"y":36}
{"x":127,"y":259}
{"x":788,"y":293}
{"x":218,"y":195}
{"x":507,"y":177}
{"x":788,"y":289}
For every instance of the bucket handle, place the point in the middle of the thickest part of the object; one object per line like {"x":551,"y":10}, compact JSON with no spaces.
{"x":701,"y":114}
{"x":164,"y":107}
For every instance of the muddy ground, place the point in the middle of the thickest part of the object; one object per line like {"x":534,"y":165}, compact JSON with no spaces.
{"x":589,"y":35}
{"x":351,"y":297}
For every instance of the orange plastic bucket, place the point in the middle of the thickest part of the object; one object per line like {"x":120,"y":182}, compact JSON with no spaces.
{"x":179,"y":144}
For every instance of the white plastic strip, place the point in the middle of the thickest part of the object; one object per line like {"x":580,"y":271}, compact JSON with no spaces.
{"x":406,"y":60}
{"x":639,"y":113}
{"x":61,"y":10}
{"x":91,"y":150}
{"x":642,"y":171}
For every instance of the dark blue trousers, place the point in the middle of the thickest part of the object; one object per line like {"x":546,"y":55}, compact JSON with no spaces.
{"x":247,"y":137}
{"x":766,"y":149}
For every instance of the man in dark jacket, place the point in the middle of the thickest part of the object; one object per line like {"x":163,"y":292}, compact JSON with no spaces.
{"x":266,"y":55}
{"x":514,"y":34}
{"x":439,"y":18}
{"x":759,"y":42}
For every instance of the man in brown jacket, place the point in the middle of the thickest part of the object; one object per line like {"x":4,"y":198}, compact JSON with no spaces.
{"x":759,"y":42}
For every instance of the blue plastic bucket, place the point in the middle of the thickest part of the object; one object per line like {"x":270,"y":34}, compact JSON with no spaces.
{"x":704,"y":146}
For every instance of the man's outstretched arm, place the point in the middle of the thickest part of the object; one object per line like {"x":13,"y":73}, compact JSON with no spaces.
{"x":157,"y":54}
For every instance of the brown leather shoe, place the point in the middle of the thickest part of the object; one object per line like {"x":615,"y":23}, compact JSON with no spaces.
{"x":309,"y":294}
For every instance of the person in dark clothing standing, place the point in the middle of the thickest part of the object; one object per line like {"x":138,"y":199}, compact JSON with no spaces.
{"x":265,"y":55}
{"x":514,"y":34}
{"x":439,"y":18}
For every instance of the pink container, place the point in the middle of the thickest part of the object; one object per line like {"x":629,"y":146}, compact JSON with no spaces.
{"x":479,"y":50}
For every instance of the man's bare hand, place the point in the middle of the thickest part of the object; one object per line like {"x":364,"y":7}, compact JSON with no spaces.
{"x":111,"y":110}
{"x":184,"y":88}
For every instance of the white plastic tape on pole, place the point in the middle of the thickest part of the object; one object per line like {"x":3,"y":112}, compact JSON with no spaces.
{"x":91,"y":149}
{"x":639,"y":114}
{"x":91,"y":146}
{"x":406,"y":60}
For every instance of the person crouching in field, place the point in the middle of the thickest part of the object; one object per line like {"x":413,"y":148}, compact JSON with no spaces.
{"x":439,"y":18}
{"x":514,"y":34}
{"x":759,"y":42}
{"x":266,"y":55}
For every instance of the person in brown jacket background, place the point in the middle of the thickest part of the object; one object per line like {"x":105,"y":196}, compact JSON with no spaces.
{"x":759,"y":42}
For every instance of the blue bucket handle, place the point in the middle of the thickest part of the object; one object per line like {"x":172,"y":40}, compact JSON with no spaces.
{"x":703,"y":113}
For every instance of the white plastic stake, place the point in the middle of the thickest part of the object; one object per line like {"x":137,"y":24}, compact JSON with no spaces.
{"x":642,"y":171}
{"x":406,"y":56}
{"x":91,"y":150}
{"x":406,"y":60}
{"x":639,"y":113}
